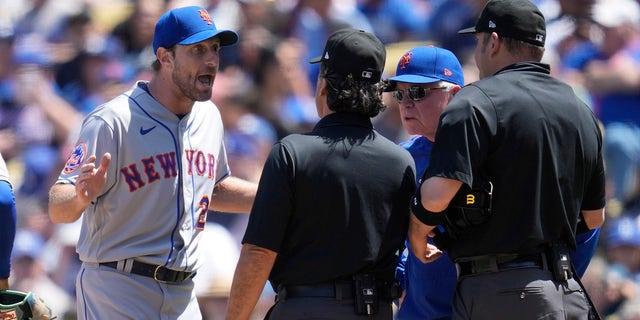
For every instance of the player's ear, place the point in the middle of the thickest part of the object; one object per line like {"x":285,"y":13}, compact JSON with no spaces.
{"x":165,"y":56}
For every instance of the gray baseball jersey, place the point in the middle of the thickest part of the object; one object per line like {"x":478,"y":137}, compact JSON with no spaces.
{"x":159,"y":183}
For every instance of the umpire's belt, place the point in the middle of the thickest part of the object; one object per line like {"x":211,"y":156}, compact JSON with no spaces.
{"x":340,"y":290}
{"x":497,"y":263}
{"x":157,"y":272}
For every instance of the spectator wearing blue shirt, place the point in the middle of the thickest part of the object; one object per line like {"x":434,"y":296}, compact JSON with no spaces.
{"x":427,"y":77}
{"x":447,"y":17}
{"x":613,"y":79}
{"x":396,"y":20}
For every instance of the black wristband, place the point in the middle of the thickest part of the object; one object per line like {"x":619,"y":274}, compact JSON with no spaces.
{"x":425,"y":216}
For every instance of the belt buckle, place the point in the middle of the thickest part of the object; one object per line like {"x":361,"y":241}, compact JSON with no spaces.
{"x":485,"y":264}
{"x":155,"y":275}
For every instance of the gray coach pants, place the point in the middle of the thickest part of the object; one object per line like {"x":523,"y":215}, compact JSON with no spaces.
{"x":523,"y":294}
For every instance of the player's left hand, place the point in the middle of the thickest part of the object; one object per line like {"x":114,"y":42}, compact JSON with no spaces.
{"x":92,"y":179}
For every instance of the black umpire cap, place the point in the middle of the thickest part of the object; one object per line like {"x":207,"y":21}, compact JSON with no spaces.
{"x":515,"y":19}
{"x":355,"y":52}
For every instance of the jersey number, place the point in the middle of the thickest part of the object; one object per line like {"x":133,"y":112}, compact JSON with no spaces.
{"x":204,"y":208}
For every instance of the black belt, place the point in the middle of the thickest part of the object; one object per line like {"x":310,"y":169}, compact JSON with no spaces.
{"x":337,"y":290}
{"x":157,"y":272}
{"x":497,"y":263}
{"x":340,"y":290}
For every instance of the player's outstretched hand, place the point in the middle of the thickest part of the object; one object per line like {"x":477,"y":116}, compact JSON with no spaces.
{"x":92,"y":179}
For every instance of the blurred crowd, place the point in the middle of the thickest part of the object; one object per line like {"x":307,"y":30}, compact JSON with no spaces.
{"x":60,"y":59}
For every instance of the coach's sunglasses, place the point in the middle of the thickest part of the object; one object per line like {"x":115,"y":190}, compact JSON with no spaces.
{"x":414,"y":93}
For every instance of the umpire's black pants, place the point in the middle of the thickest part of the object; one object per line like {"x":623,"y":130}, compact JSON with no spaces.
{"x":311,"y":308}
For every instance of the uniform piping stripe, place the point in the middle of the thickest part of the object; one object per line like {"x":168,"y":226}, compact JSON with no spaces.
{"x":179,"y":162}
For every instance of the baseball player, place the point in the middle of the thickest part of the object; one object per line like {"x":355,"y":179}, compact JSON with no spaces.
{"x":7,"y":224}
{"x":163,"y":166}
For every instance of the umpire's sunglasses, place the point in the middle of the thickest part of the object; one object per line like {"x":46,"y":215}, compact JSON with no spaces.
{"x":414,"y":93}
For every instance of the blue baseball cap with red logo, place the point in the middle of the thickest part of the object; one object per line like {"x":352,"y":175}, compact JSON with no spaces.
{"x":428,"y":64}
{"x":188,"y":25}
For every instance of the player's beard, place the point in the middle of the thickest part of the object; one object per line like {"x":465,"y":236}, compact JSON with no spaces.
{"x":189,"y":85}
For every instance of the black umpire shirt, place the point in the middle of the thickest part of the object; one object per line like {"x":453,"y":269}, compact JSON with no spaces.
{"x":333,"y":202}
{"x":540,"y":146}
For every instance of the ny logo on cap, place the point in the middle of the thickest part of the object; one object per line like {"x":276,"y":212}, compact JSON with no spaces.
{"x":404,"y":61}
{"x":492,"y":24}
{"x":539,"y":37}
{"x":367,"y":74}
{"x":205,"y":16}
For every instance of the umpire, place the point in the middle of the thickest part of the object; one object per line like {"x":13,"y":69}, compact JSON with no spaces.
{"x":332,"y":208}
{"x":530,"y":137}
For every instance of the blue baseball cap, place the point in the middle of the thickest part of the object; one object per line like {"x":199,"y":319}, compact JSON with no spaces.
{"x":188,"y":25}
{"x":623,"y":230}
{"x":428,"y":64}
{"x":32,"y":49}
{"x":27,"y":244}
